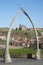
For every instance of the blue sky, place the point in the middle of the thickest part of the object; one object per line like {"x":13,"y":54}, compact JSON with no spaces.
{"x":9,"y":8}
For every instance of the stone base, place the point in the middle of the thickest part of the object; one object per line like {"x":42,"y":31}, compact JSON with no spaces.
{"x":38,"y":54}
{"x":7,"y":58}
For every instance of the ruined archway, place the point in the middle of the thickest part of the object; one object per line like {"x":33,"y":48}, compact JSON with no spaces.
{"x":7,"y":55}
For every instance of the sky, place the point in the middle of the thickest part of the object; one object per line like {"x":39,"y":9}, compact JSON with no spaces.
{"x":9,"y":8}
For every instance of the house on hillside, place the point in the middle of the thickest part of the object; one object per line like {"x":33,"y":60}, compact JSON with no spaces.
{"x":3,"y":37}
{"x":22,"y":27}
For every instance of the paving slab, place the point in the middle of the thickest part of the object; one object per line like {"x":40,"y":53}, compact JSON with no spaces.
{"x":23,"y":62}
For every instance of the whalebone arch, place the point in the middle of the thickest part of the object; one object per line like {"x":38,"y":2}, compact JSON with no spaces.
{"x":7,"y":55}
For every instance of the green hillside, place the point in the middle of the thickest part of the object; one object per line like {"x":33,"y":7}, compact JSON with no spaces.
{"x":26,"y":33}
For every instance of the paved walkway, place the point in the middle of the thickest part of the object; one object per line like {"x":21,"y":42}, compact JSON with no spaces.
{"x":11,"y":47}
{"x":23,"y":62}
